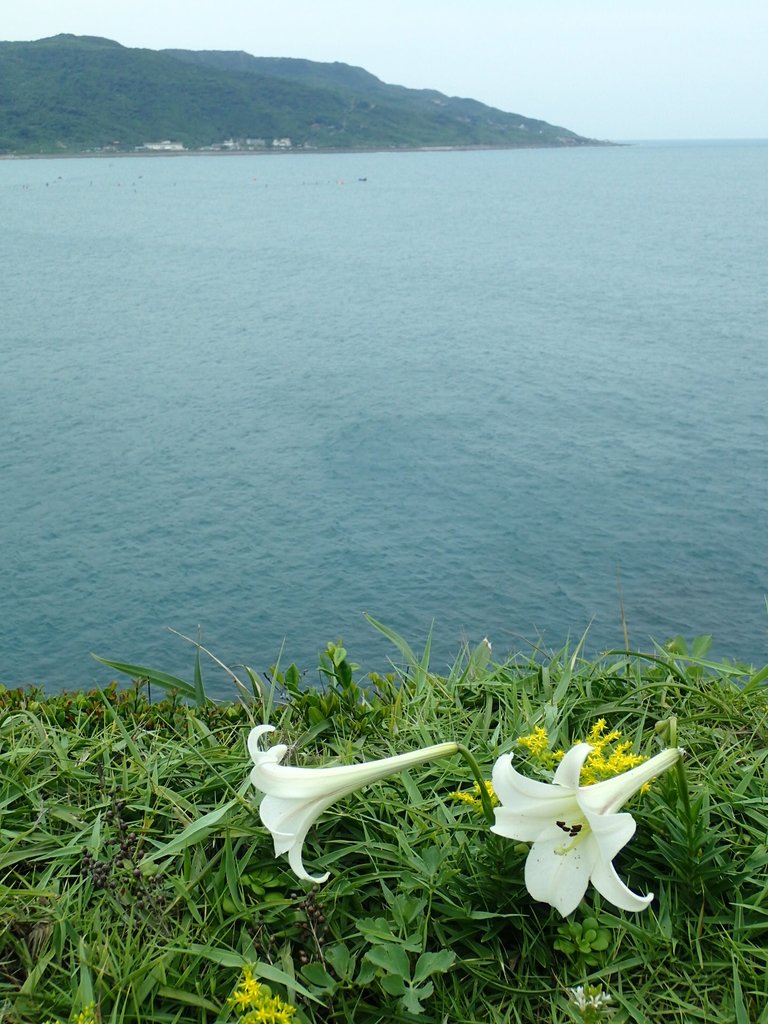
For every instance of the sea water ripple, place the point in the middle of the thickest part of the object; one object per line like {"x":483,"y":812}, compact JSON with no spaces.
{"x":504,"y":392}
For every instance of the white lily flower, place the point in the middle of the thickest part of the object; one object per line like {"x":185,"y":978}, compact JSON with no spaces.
{"x":575,"y":829}
{"x":294,"y":798}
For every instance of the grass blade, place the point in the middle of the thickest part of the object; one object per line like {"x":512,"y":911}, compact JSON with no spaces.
{"x":162,"y":679}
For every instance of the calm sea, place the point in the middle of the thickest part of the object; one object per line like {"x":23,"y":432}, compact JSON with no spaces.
{"x":498,"y":391}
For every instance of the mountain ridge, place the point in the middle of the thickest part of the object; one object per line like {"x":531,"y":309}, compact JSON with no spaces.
{"x":74,"y":94}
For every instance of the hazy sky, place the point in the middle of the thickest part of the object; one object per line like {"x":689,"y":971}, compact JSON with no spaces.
{"x":611,"y":69}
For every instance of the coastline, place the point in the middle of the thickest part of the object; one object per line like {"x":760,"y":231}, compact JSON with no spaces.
{"x":120,"y":154}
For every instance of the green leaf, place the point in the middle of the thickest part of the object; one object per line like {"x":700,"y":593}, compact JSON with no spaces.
{"x":393,"y":985}
{"x":340,"y":959}
{"x":232,"y":875}
{"x":405,"y":909}
{"x":366,"y":974}
{"x":84,"y":996}
{"x":422,"y":673}
{"x":270,"y":973}
{"x":412,"y":997}
{"x":433,"y":963}
{"x":229,"y":958}
{"x":757,"y":679}
{"x":564,"y":946}
{"x":391,"y":958}
{"x":316,"y":975}
{"x":194,"y":833}
{"x":217,"y":955}
{"x":375,"y":929}
{"x":740,"y":1010}
{"x":200,"y":697}
{"x":189,"y":998}
{"x":700,"y":646}
{"x":478,"y":660}
{"x":39,"y":970}
{"x":402,"y":645}
{"x":162,"y":679}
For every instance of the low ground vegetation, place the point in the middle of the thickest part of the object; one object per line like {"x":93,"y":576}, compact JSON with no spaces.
{"x":137,"y":884}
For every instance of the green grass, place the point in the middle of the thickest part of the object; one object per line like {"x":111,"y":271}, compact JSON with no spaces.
{"x":135,"y":874}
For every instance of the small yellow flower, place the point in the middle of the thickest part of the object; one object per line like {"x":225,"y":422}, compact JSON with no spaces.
{"x":598,"y":736}
{"x":255,"y":1004}
{"x":536,"y":742}
{"x":607,"y":758}
{"x":249,"y":992}
{"x":274,"y":1011}
{"x":473,"y":797}
{"x":537,"y":745}
{"x":602,"y":762}
{"x":86,"y":1016}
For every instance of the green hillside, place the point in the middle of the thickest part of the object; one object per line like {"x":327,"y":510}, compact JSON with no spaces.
{"x":70,"y":94}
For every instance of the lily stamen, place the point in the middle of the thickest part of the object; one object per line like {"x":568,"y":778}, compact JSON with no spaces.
{"x":571,"y":830}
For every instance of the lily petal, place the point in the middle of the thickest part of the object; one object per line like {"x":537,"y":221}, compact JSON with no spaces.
{"x":527,"y":806}
{"x":608,"y":796}
{"x":512,"y":787}
{"x":527,"y":819}
{"x":558,"y":878}
{"x":274,"y":753}
{"x":509,"y":785}
{"x":295,"y":859}
{"x":289,"y":822}
{"x":611,"y":832}
{"x":569,"y":770}
{"x":609,"y":885}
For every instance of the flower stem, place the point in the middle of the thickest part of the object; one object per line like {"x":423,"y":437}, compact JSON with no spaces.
{"x":682,"y":781}
{"x":485,"y":798}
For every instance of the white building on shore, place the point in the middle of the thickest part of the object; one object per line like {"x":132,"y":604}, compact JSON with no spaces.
{"x":162,"y":147}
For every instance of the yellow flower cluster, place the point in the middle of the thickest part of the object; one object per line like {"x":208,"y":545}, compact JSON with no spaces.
{"x":537,"y":745}
{"x":255,"y":1004}
{"x":86,"y":1016}
{"x":472,"y":797}
{"x":603,"y":762}
{"x":608,"y":757}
